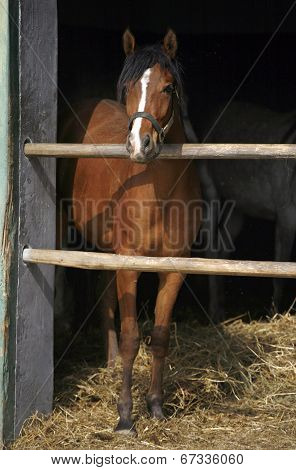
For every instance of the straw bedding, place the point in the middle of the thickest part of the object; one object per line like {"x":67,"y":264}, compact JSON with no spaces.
{"x":230,"y":387}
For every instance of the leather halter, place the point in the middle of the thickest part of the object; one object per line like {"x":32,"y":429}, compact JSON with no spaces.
{"x":161,"y":131}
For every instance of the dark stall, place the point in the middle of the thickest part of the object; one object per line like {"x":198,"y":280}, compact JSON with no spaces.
{"x":229,"y":51}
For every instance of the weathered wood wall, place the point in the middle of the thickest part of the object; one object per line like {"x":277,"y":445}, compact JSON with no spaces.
{"x":4,"y":107}
{"x":34,"y":96}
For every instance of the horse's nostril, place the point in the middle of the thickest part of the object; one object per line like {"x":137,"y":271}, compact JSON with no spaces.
{"x":146,"y":143}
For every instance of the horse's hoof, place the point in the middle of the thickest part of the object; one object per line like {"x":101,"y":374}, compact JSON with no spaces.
{"x":111,"y":364}
{"x":157,"y":413}
{"x":155,"y":408}
{"x":126,"y":428}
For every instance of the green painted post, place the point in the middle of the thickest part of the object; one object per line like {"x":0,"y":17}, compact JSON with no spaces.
{"x":4,"y":112}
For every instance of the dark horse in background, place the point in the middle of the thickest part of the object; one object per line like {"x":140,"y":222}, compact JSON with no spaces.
{"x":263,"y":189}
{"x":128,"y":206}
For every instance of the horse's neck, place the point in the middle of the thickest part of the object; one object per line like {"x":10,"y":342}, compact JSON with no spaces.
{"x":176,"y":134}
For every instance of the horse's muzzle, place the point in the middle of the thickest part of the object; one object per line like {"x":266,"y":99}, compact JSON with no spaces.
{"x":145,"y":152}
{"x":140,"y":158}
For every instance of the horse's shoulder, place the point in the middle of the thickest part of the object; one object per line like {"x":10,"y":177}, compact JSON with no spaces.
{"x":111,"y":105}
{"x":107,"y":123}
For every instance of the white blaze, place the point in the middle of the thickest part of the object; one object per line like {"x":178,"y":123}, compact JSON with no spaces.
{"x":135,"y":133}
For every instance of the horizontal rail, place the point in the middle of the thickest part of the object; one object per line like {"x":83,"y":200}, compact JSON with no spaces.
{"x":87,"y":260}
{"x":173,"y":151}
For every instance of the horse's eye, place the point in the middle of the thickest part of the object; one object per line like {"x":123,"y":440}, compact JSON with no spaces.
{"x":169,"y":89}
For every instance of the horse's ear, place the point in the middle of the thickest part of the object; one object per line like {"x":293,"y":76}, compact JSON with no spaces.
{"x":170,"y":44}
{"x":129,"y":42}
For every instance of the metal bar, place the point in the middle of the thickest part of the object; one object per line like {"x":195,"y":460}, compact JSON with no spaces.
{"x":87,"y":260}
{"x":173,"y":151}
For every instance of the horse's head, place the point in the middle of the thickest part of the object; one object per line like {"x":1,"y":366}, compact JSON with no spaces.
{"x":149,"y":85}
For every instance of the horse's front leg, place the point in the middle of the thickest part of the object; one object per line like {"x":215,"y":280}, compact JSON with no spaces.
{"x":128,"y":346}
{"x":169,"y":286}
{"x":108,"y":306}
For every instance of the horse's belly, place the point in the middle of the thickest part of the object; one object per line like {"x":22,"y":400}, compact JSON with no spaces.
{"x":250,"y":202}
{"x":258,"y":189}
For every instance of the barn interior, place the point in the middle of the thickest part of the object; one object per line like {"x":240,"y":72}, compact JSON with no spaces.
{"x":229,"y":48}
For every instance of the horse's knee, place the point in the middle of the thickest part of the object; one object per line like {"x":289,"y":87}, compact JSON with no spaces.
{"x":160,"y":339}
{"x":129,"y":346}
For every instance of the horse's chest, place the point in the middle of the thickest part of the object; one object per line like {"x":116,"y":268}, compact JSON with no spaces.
{"x":138,"y":225}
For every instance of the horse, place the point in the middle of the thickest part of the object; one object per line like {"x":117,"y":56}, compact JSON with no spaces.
{"x":137,"y":206}
{"x":264,"y":189}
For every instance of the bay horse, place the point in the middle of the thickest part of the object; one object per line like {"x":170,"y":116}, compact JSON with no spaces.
{"x":136,"y":206}
{"x":264,"y":189}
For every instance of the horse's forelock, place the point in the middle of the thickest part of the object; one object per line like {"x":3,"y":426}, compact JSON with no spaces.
{"x":142,"y":59}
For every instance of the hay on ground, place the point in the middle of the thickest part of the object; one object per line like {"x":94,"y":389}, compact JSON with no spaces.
{"x":230,"y":387}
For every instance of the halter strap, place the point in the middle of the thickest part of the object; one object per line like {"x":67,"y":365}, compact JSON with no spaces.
{"x":161,"y":131}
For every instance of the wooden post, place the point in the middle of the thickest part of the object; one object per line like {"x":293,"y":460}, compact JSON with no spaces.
{"x":169,"y":151}
{"x":31,"y":297}
{"x":113,"y":262}
{"x":4,"y":139}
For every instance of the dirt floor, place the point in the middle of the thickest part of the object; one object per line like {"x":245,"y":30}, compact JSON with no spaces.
{"x":230,"y":387}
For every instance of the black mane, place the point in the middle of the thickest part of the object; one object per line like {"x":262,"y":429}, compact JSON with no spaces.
{"x":142,"y":59}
